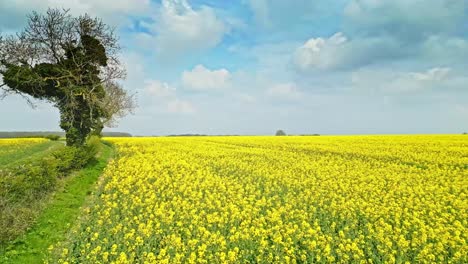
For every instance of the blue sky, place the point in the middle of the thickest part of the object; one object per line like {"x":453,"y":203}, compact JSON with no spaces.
{"x":255,"y":66}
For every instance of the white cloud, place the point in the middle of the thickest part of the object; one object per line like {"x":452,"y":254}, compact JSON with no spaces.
{"x":180,"y":29}
{"x":284,"y":91}
{"x":201,"y":78}
{"x":340,"y":52}
{"x":320,"y":53}
{"x":180,"y":106}
{"x":162,"y":97}
{"x":390,"y":82}
{"x":382,"y":31}
{"x":417,"y":81}
{"x":177,"y":29}
{"x":159,"y":89}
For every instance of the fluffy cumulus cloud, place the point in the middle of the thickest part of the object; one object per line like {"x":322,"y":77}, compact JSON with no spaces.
{"x":340,"y":52}
{"x":202,"y":79}
{"x":159,"y":89}
{"x":179,"y":29}
{"x":321,"y":53}
{"x":380,"y":32}
{"x":162,"y":97}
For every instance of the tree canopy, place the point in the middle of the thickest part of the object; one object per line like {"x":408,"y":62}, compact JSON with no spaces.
{"x":71,"y":62}
{"x":280,"y":133}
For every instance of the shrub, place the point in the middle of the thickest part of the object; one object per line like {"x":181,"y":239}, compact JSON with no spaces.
{"x":93,"y":145}
{"x":52,"y":137}
{"x":29,"y":181}
{"x":77,"y":157}
{"x":66,"y":156}
{"x":21,"y":187}
{"x":83,"y":155}
{"x":280,"y":133}
{"x":42,"y":177}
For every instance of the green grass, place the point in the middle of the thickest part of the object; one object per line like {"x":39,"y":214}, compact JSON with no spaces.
{"x":23,"y":155}
{"x":58,"y":215}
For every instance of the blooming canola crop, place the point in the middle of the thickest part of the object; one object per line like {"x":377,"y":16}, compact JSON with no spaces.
{"x":327,"y":199}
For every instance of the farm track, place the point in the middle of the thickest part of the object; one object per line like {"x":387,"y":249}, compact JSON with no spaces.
{"x":61,"y":211}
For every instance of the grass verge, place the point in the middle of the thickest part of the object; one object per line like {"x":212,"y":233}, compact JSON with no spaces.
{"x":58,"y":215}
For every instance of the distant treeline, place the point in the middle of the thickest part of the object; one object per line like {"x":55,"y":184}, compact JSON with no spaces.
{"x":203,"y":135}
{"x":188,"y":135}
{"x":29,"y":134}
{"x":200,"y":135}
{"x":116,"y":134}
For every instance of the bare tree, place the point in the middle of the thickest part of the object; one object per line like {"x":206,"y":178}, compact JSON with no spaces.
{"x":118,"y":104}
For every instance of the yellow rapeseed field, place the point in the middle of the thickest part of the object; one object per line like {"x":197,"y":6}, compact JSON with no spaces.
{"x":20,"y":141}
{"x":326,"y":199}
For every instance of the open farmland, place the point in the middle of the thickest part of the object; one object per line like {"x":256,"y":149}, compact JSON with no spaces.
{"x":12,"y":150}
{"x":345,"y":199}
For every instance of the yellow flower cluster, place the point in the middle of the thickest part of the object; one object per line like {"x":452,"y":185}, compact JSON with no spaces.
{"x":20,"y":141}
{"x":327,"y":199}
